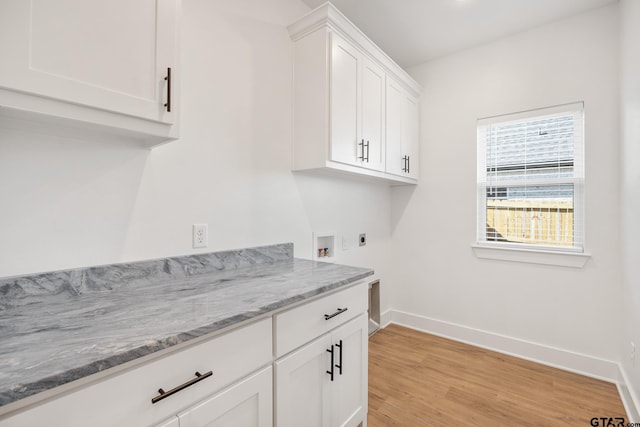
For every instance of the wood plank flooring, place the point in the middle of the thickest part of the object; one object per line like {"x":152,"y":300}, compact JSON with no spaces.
{"x":417,"y":379}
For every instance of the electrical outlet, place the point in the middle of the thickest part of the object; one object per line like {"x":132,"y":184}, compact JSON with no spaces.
{"x":362,"y":239}
{"x":200,"y":236}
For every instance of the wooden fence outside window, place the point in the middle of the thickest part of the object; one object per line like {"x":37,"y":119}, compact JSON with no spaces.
{"x":530,"y":221}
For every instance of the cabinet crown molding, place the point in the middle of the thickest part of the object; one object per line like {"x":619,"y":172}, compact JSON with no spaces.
{"x":328,"y":17}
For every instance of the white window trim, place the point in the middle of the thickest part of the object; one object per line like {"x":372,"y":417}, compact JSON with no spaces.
{"x":528,"y":253}
{"x":532,"y":256}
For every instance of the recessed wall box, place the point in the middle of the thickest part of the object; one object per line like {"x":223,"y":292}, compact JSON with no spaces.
{"x":323,"y":246}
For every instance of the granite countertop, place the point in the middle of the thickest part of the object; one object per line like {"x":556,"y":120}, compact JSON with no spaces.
{"x":62,"y":326}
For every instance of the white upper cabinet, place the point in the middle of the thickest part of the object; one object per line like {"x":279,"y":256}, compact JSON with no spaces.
{"x":357,"y":107}
{"x":341,"y":111}
{"x":345,"y":94}
{"x":107,"y":63}
{"x":402,"y":137}
{"x":410,"y":134}
{"x":373,"y":115}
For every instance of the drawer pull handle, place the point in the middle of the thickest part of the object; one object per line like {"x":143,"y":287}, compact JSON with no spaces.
{"x":339,"y":311}
{"x":163,"y":394}
{"x":332,"y":362}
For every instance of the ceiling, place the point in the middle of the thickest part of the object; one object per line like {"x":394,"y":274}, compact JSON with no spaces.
{"x":415,"y":31}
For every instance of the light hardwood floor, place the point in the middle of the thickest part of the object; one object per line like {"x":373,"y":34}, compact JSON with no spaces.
{"x":417,"y":379}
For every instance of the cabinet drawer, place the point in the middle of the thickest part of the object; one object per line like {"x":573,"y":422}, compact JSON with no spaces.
{"x":306,"y":322}
{"x":125,"y":399}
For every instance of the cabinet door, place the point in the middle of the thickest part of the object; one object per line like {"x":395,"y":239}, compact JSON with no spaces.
{"x":373,"y":107}
{"x":246,"y":404}
{"x":395,"y":162}
{"x":402,"y":131}
{"x":349,"y":390}
{"x":410,"y":134}
{"x":345,"y":93}
{"x":110,"y":55}
{"x":302,"y":386}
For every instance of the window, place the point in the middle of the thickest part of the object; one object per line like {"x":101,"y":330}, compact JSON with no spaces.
{"x":530,"y":180}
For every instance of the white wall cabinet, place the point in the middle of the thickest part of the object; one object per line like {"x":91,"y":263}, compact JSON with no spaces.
{"x":345,"y":109}
{"x":86,"y":62}
{"x":357,"y":107}
{"x":340,"y":108}
{"x":373,"y":115}
{"x":402,"y":131}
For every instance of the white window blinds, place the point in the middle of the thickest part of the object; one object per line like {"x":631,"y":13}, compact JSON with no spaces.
{"x":531,"y":177}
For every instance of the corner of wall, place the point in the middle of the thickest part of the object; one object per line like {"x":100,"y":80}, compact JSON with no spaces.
{"x":629,"y":398}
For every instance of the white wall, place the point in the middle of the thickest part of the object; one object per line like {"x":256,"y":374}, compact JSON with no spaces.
{"x":70,"y":203}
{"x":434,"y":225}
{"x":630,"y":114}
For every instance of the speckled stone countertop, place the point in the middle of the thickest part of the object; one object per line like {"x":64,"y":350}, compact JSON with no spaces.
{"x":62,"y":326}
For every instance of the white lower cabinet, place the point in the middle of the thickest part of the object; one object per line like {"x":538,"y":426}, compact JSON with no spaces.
{"x":302,"y":389}
{"x":246,"y":404}
{"x":324,"y":383}
{"x":125,"y":399}
{"x":173,"y":422}
{"x":320,"y":377}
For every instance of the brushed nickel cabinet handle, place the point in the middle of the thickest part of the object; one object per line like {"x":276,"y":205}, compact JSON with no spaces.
{"x":164,"y":394}
{"x":361,"y":144}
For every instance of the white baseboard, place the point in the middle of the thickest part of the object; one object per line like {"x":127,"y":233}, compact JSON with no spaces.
{"x":385,"y":319}
{"x":551,"y":356}
{"x":629,"y":397}
{"x":582,"y":364}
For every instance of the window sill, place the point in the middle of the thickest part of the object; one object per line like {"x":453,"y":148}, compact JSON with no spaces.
{"x":533,"y":256}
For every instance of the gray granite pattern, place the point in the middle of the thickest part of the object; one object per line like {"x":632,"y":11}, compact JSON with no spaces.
{"x":62,"y":326}
{"x":18,"y":291}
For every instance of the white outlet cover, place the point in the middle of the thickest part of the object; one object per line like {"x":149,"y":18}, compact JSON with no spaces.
{"x":345,"y":243}
{"x":200,"y":236}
